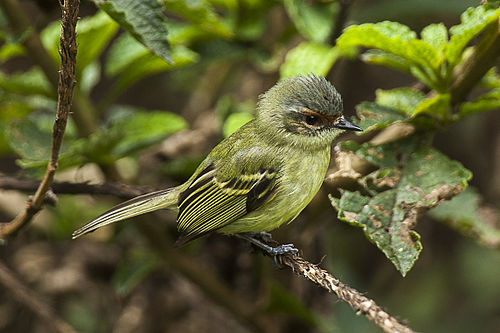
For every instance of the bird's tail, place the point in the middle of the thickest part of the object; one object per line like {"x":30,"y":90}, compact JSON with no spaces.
{"x":139,"y":205}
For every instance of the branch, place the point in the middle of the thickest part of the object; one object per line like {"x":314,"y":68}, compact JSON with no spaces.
{"x":340,"y":20}
{"x":118,"y":190}
{"x":470,"y":72}
{"x":359,"y":303}
{"x":65,"y":93}
{"x":27,"y":297}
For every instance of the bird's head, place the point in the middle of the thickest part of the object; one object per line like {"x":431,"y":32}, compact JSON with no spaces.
{"x":303,"y":110}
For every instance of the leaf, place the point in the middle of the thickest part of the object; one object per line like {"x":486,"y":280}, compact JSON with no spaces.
{"x":201,"y":13}
{"x":129,"y":57}
{"x":235,"y":121}
{"x":403,"y":99}
{"x":473,"y":21}
{"x":485,"y":102}
{"x":419,"y":178}
{"x":435,"y":35}
{"x":382,"y":58}
{"x":313,"y":20}
{"x":31,"y":139}
{"x":373,"y":116}
{"x":130,"y":130}
{"x":143,"y":20}
{"x":31,"y":82}
{"x":309,"y":58}
{"x":391,"y":37}
{"x":437,"y":106}
{"x":135,"y":268}
{"x":90,"y":77}
{"x":465,"y":214}
{"x":92,"y":36}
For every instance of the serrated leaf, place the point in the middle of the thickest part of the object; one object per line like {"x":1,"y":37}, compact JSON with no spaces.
{"x":391,"y":37}
{"x":313,"y":20}
{"x":309,"y":58}
{"x":373,"y":116}
{"x":143,"y":20}
{"x":404,"y":99}
{"x":201,"y":13}
{"x":31,"y":82}
{"x":485,"y":102}
{"x":136,"y":267}
{"x":390,"y":212}
{"x":435,"y":35}
{"x":463,"y":213}
{"x":473,"y":21}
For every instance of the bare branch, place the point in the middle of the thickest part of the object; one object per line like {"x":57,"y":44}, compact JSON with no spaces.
{"x":118,"y":190}
{"x":361,"y":304}
{"x":65,"y":94}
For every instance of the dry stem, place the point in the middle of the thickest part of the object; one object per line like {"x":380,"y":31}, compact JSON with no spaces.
{"x":65,"y":93}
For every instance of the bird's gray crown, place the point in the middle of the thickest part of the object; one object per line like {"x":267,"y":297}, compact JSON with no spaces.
{"x":307,"y":92}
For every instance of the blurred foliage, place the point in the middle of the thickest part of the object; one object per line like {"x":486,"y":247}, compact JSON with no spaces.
{"x":138,"y":58}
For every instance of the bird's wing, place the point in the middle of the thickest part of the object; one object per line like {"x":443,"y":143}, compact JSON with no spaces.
{"x":210,"y":202}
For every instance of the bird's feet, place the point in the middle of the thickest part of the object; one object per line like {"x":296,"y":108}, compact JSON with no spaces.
{"x":262,"y":240}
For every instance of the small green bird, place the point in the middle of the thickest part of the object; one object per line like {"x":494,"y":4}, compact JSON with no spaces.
{"x":261,"y":176}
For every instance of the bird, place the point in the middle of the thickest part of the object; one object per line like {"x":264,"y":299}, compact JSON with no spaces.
{"x":260,"y":177}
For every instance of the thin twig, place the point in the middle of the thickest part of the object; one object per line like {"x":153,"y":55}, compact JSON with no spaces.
{"x":340,"y":20}
{"x":27,"y":297}
{"x":361,"y":304}
{"x":117,"y":190}
{"x":65,"y":94}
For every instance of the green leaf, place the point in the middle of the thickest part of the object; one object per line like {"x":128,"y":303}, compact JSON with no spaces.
{"x":90,"y":77}
{"x":235,"y":121}
{"x":435,"y":35}
{"x":473,"y":21}
{"x":403,"y":99}
{"x":373,"y":116}
{"x":31,"y":82}
{"x":92,"y":36}
{"x":464,"y":214}
{"x":201,"y":13}
{"x":382,"y":58}
{"x":412,"y":178}
{"x":485,"y":102}
{"x":397,"y":39}
{"x":309,"y":58}
{"x":438,"y":106}
{"x":314,"y":20}
{"x":10,"y":50}
{"x":391,"y":37}
{"x":131,"y":62}
{"x":31,"y":138}
{"x":135,"y":268}
{"x":130,"y":130}
{"x":143,"y":20}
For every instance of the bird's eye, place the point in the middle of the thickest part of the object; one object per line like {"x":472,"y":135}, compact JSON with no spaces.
{"x":311,"y":120}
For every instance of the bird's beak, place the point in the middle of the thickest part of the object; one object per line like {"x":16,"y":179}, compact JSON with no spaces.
{"x":346,"y":125}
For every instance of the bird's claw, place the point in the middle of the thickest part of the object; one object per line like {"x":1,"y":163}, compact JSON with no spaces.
{"x":283,"y":249}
